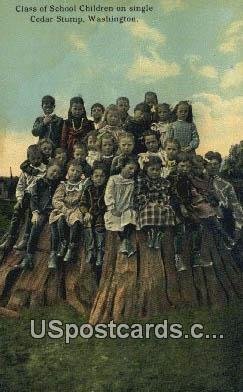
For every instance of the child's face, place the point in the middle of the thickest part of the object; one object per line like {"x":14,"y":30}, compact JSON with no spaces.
{"x":53,"y":173}
{"x":80,"y":154}
{"x":154,"y":171}
{"x":171,"y":150}
{"x":61,"y":156}
{"x":128,"y":171}
{"x":213,"y":167}
{"x":112,"y":118}
{"x":74,"y":173}
{"x":126,"y":146}
{"x":138,"y":115}
{"x":182,"y":112}
{"x":198,"y":167}
{"x":184,"y":167}
{"x":46,"y":149}
{"x":151,"y":143}
{"x":123,"y":106}
{"x":97,"y":113}
{"x":163,"y":113}
{"x":91,"y":143}
{"x":98,"y":177}
{"x":77,"y":110}
{"x":107,"y":147}
{"x":151,"y":100}
{"x":48,"y":108}
{"x":35,"y":159}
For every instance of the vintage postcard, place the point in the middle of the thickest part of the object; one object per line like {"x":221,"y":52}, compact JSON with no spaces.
{"x":121,"y":195}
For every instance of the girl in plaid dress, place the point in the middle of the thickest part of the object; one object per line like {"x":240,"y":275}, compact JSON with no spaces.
{"x":152,"y":201}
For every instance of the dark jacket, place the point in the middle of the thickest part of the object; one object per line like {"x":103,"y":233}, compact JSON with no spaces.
{"x":92,"y":201}
{"x":70,"y":136}
{"x":53,"y":130}
{"x":41,"y":195}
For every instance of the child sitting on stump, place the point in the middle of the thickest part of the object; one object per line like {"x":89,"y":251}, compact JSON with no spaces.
{"x":152,"y":201}
{"x":120,"y":215}
{"x":41,"y":206}
{"x":66,"y":213}
{"x":92,"y":206}
{"x":23,"y":193}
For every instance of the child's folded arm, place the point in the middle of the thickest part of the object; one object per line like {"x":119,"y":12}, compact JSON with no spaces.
{"x":195,"y":138}
{"x":21,"y":187}
{"x":57,"y":200}
{"x":39,"y":127}
{"x":110,"y":194}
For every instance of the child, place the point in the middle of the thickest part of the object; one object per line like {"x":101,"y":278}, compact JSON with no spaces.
{"x":152,"y":145}
{"x":152,"y":201}
{"x":120,"y":215}
{"x":47,"y":149}
{"x":224,"y":191}
{"x":66,"y":212}
{"x":41,"y":206}
{"x":123,"y":107}
{"x":125,"y":147}
{"x":61,"y":156}
{"x":23,"y":192}
{"x":112,"y":121}
{"x":48,"y":126}
{"x":138,"y":125}
{"x":76,"y":127}
{"x":93,"y":154}
{"x":97,"y":112}
{"x":106,"y":146}
{"x":183,"y":129}
{"x":80,"y":154}
{"x":93,"y":208}
{"x":162,"y":122}
{"x":151,"y":100}
{"x":172,"y":149}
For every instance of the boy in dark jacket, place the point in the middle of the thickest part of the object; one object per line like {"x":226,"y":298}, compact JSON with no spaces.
{"x":41,"y":206}
{"x":50,"y":125}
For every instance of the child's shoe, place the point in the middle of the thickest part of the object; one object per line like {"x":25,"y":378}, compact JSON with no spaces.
{"x":8,"y":243}
{"x":62,"y":249}
{"x":123,"y":247}
{"x":199,"y":262}
{"x":130,"y":249}
{"x":52,"y":262}
{"x":71,"y":253}
{"x":22,"y":245}
{"x":151,"y":238}
{"x":157,"y":240}
{"x":180,"y":266}
{"x":27,"y":263}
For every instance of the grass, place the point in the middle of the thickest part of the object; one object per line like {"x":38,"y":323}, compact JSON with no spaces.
{"x":123,"y":365}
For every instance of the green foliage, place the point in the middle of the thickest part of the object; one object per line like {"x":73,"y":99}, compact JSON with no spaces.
{"x":123,"y":365}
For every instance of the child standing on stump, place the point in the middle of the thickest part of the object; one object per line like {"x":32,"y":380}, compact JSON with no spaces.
{"x":162,"y":122}
{"x":23,"y":193}
{"x":93,"y":208}
{"x":41,"y":206}
{"x":49,"y":125}
{"x":152,"y":201}
{"x":76,"y":127}
{"x":66,"y":214}
{"x":120,"y":215}
{"x":183,"y":129}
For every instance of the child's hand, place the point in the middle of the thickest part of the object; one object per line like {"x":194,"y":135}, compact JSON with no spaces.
{"x":186,"y":149}
{"x":87,"y":217}
{"x":47,"y":119}
{"x":116,"y":212}
{"x":36,"y":217}
{"x":18,"y":205}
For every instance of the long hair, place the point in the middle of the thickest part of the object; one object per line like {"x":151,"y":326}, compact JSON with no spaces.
{"x":77,"y":100}
{"x":189,"y":118}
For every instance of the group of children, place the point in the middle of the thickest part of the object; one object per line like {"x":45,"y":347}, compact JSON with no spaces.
{"x":120,"y":173}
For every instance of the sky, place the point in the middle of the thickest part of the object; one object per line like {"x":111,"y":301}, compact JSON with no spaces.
{"x":182,"y":49}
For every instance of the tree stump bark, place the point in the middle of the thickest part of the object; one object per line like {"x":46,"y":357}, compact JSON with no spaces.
{"x":142,"y":286}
